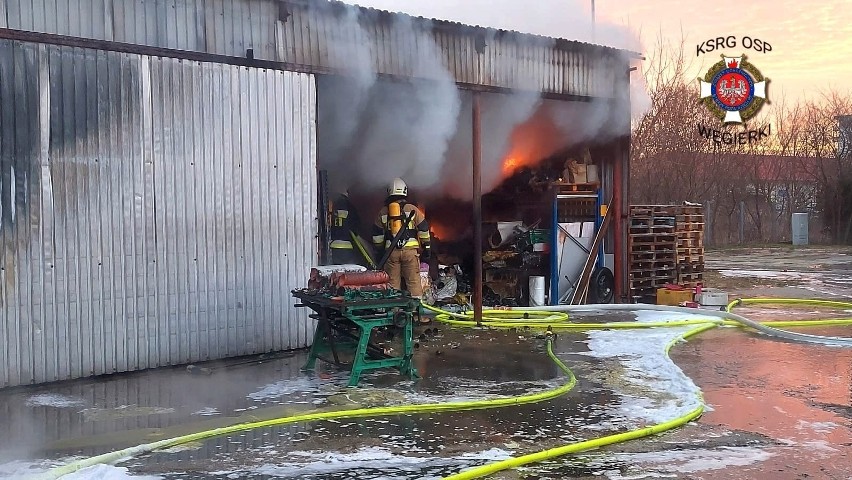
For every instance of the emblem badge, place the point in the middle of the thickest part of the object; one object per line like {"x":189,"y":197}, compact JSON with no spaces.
{"x":733,"y":89}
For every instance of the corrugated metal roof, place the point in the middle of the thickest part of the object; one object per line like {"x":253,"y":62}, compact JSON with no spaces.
{"x":462,"y":28}
{"x":322,"y":36}
{"x":339,"y":37}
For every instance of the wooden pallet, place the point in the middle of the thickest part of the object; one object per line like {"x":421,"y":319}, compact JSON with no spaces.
{"x":576,"y":187}
{"x":661,"y":236}
{"x":639,"y":210}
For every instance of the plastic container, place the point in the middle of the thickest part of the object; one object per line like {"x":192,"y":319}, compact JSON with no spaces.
{"x":666,"y":296}
{"x":537,"y":288}
{"x":712,"y":297}
{"x":800,"y":228}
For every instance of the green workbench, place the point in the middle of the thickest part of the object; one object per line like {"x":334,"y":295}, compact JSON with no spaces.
{"x":345,"y":325}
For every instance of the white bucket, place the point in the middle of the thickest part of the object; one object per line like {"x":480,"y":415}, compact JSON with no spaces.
{"x":536,"y":291}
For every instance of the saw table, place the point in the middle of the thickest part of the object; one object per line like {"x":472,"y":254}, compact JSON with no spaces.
{"x":345,"y":324}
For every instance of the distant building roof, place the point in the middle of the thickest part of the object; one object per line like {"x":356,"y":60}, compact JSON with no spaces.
{"x":764,"y":168}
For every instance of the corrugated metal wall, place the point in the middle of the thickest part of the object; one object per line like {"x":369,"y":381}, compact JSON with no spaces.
{"x":225,"y":27}
{"x":322,"y":36}
{"x":154,"y":211}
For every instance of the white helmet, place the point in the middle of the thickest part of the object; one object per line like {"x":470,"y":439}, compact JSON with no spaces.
{"x":397,"y":188}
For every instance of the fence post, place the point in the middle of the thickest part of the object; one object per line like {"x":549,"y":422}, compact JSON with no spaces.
{"x":708,"y":223}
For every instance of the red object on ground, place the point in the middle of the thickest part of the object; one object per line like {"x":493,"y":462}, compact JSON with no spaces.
{"x":360,"y":279}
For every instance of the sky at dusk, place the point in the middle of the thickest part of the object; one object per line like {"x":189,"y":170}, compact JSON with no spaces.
{"x":811,"y":41}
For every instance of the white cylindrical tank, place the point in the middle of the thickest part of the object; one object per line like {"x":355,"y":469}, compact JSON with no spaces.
{"x":537,"y":288}
{"x":800,"y":229}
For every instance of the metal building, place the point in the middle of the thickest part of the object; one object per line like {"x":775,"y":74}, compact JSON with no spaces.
{"x":158,"y":166}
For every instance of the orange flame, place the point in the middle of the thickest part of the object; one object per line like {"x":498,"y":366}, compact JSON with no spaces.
{"x":531,"y":142}
{"x":439,"y":231}
{"x":510,"y":164}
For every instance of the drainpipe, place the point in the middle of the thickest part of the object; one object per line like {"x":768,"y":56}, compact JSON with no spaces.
{"x":477,"y":212}
{"x":621,"y":202}
{"x":619,"y":217}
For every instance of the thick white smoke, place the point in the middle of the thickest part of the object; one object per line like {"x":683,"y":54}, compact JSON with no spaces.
{"x":372,"y":131}
{"x":412,"y":128}
{"x":568,"y":19}
{"x":376,"y":131}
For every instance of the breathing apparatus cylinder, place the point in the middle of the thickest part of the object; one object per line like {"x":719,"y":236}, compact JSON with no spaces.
{"x":395,"y":213}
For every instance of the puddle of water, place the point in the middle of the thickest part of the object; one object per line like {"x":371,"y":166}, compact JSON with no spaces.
{"x":107,"y":472}
{"x":423,"y":446}
{"x":660,"y":464}
{"x":54,"y":400}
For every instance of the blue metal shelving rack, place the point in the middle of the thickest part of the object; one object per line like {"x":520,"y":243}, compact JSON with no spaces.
{"x":554,"y":238}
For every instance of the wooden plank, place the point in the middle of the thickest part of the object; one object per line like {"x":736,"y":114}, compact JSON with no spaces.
{"x":583,"y":283}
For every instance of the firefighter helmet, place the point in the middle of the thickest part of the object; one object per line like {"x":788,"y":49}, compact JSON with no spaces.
{"x":397,"y":188}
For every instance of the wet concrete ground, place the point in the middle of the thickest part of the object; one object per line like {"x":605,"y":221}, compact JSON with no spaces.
{"x":776,"y":409}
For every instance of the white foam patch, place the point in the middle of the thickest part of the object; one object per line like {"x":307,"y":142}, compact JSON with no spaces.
{"x":463,"y":389}
{"x":207,"y":411}
{"x":820,"y":446}
{"x":687,"y":461}
{"x":671,"y":393}
{"x":767,"y":274}
{"x":818,"y":427}
{"x":106,"y":472}
{"x":469,"y":389}
{"x":653,"y":316}
{"x":303,"y":385}
{"x":25,"y":469}
{"x":324,"y":463}
{"x":55,"y":400}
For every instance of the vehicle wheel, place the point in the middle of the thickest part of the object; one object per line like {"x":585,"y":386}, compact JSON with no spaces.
{"x":601,"y":286}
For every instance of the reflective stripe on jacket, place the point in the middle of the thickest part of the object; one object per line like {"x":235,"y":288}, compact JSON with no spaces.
{"x":416,"y":231}
{"x":344,"y":222}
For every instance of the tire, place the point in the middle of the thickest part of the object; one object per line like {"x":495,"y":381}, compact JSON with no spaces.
{"x":602,"y":286}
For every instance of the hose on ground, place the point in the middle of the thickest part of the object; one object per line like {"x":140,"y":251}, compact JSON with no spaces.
{"x":551,"y":317}
{"x":123,"y":454}
{"x":725,"y":315}
{"x":551,"y":453}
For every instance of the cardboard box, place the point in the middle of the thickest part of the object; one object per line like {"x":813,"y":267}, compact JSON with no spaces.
{"x":592,"y":174}
{"x":578,"y":173}
{"x":673,"y":297}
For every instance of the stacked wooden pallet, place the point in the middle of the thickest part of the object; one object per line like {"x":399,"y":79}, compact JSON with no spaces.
{"x":652,"y":243}
{"x":683,"y":225}
{"x":690,"y":247}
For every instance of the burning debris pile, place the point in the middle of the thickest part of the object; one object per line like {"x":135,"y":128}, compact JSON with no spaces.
{"x":516,"y":235}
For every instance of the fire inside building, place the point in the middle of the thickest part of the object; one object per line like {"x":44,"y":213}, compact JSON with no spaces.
{"x":161,"y":165}
{"x":523,"y":187}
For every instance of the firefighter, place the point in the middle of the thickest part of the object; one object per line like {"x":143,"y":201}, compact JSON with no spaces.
{"x":344,"y":226}
{"x":403,"y":263}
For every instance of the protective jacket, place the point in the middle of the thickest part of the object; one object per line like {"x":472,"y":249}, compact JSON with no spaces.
{"x":344,"y":222}
{"x":416,"y":233}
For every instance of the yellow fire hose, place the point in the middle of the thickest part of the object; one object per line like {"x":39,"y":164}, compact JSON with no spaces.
{"x":542,"y":455}
{"x":357,"y":241}
{"x":118,"y":455}
{"x":539,"y":319}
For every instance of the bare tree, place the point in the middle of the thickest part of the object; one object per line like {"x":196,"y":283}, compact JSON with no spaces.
{"x":797,"y":168}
